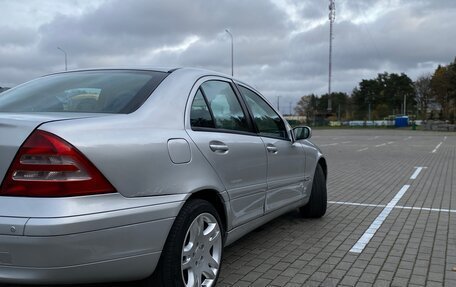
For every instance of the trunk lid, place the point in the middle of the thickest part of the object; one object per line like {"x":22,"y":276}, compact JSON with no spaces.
{"x":15,"y":128}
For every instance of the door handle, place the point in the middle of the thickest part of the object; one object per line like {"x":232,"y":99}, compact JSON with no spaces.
{"x":217,"y":146}
{"x":271,"y":148}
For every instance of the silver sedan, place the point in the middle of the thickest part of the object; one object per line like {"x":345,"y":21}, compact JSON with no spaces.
{"x":127,"y":174}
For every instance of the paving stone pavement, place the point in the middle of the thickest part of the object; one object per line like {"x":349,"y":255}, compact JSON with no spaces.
{"x":415,"y":245}
{"x":412,"y":247}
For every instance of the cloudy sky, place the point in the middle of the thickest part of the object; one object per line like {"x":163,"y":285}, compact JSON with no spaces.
{"x":281,"y":46}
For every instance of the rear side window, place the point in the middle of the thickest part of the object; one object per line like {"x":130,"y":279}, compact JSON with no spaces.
{"x":103,"y":91}
{"x":200,"y":115}
{"x":224,"y":105}
{"x":266,"y":119}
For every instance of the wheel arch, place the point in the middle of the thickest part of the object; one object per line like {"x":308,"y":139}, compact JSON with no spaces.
{"x":324,"y":166}
{"x":216,"y":199}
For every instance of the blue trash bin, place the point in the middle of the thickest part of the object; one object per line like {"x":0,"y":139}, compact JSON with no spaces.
{"x":401,"y":122}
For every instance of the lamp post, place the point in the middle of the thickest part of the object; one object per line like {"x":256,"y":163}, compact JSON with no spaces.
{"x":232,"y":51}
{"x":405,"y":105}
{"x":65,"y":53}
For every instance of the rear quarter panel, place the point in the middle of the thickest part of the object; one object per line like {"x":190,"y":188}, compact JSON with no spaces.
{"x":133,"y":155}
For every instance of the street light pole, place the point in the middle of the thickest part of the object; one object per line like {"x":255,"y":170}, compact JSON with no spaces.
{"x":369,"y":111}
{"x":65,"y":53}
{"x":232,"y":51}
{"x":405,"y":105}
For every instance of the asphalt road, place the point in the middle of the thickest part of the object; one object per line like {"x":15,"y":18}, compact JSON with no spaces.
{"x":391,"y":219}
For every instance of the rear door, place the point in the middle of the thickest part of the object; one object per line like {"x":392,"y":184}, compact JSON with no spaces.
{"x":219,"y":126}
{"x":286,"y":160}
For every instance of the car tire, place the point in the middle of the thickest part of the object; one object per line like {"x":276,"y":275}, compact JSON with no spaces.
{"x":193,"y":250}
{"x":316,"y":207}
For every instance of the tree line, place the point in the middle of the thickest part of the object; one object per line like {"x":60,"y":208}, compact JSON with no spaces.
{"x":431,"y":96}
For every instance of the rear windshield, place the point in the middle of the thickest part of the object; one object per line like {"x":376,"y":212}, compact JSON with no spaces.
{"x":104,"y":91}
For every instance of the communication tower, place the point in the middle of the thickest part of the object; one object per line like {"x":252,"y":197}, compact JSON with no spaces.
{"x":332,"y":18}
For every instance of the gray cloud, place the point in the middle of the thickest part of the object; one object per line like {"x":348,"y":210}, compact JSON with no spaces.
{"x":16,"y":37}
{"x":121,"y":25}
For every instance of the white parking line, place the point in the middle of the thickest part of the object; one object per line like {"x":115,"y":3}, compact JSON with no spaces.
{"x":367,"y":236}
{"x":417,"y":171}
{"x":395,"y":207}
{"x":379,"y":145}
{"x":437,"y":147}
{"x":345,"y":142}
{"x":407,"y":138}
{"x":363,"y":149}
{"x":426,"y":208}
{"x":444,"y":138}
{"x":390,"y":142}
{"x":356,"y":204}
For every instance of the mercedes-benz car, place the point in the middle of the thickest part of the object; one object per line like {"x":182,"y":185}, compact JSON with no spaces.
{"x":112,"y":175}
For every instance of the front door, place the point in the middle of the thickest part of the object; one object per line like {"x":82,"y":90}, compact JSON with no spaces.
{"x":286,"y":160}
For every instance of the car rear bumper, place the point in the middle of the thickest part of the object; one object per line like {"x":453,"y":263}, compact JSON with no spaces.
{"x":117,"y":245}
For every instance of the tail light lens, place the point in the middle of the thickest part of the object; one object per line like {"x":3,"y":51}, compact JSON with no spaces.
{"x":48,"y":166}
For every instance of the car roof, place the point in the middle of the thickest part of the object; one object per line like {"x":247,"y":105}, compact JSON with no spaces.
{"x":146,"y":68}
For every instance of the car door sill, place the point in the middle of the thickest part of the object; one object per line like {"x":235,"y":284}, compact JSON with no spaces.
{"x":240,"y":231}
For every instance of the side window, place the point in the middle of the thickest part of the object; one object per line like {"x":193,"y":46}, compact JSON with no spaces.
{"x":225,"y":106}
{"x":266,"y":119}
{"x":199,"y":115}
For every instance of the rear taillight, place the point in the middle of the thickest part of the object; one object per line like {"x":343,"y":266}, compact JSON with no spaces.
{"x":48,"y":166}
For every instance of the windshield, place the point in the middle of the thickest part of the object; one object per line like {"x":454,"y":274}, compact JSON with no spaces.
{"x":103,"y":91}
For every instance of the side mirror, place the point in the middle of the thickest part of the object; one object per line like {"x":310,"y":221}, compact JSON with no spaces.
{"x":302,"y":133}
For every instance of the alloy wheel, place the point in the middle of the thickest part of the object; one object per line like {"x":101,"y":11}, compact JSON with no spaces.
{"x":201,"y":252}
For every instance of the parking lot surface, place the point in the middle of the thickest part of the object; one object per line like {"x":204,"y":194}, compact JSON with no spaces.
{"x":391,"y":218}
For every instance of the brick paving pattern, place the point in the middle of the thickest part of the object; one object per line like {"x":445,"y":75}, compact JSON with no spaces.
{"x":411,"y":248}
